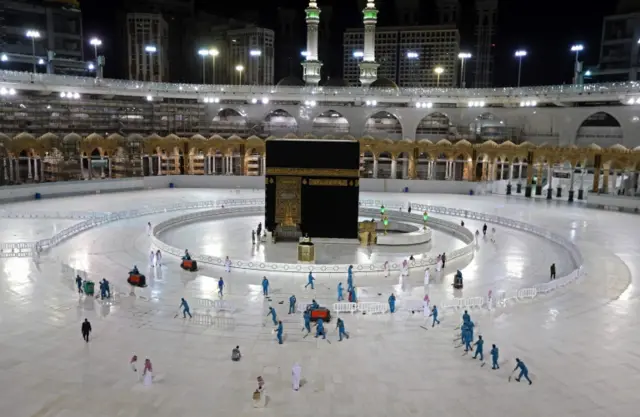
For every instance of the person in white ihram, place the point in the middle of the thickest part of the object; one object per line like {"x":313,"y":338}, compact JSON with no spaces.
{"x":426,"y":280}
{"x":439,"y":263}
{"x":158,"y":258}
{"x":386,"y":269}
{"x":405,"y":268}
{"x":149,"y":229}
{"x":227,"y":264}
{"x":147,"y":374}
{"x":426,"y":309}
{"x":152,"y":259}
{"x":493,"y":235}
{"x":296,"y":371}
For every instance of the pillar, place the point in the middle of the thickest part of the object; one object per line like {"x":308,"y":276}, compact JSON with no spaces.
{"x":101,"y":166}
{"x":452,"y":170}
{"x":109,"y":166}
{"x":35,"y":169}
{"x":394,"y":167}
{"x":230,"y":164}
{"x":29,"y":175}
{"x":264,"y":164}
{"x":571,"y":184}
{"x":375,"y":167}
{"x":519,"y":171}
{"x":539,"y":187}
{"x":41,"y":169}
{"x":510,"y":172}
{"x":605,"y":180}
{"x":159,"y":164}
{"x":597,"y":166}
{"x":549,"y":180}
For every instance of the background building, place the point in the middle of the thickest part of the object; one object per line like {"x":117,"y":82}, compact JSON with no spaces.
{"x":619,"y":50}
{"x":435,"y":46}
{"x":146,"y":30}
{"x":60,"y":46}
{"x":257,"y":69}
{"x":485,"y":31}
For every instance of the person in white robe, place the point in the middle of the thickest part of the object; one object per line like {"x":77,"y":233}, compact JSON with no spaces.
{"x":152,"y":259}
{"x":426,"y":308}
{"x":149,"y":229}
{"x":227,"y":264}
{"x":296,"y":371}
{"x":427,"y":277}
{"x":405,"y":268}
{"x":147,"y":374}
{"x":158,"y":258}
{"x":386,"y":269}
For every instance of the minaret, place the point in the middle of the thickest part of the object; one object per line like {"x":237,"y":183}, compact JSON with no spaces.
{"x":368,"y":66}
{"x":311,"y":66}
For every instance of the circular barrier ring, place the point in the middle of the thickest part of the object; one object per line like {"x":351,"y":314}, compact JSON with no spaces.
{"x":262,"y":265}
{"x":286,"y":267}
{"x":324,"y":268}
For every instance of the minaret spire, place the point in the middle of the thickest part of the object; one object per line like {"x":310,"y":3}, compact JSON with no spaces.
{"x":311,"y":66}
{"x":368,"y":66}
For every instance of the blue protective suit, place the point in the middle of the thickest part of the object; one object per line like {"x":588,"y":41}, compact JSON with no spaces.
{"x":340,"y":297}
{"x":103,"y":290}
{"x":392,"y":303}
{"x":466,"y":317}
{"x":524,"y":372}
{"x":314,"y":305}
{"x":310,"y":280}
{"x":292,"y":304}
{"x":265,"y":287}
{"x":279,"y":333}
{"x":272,"y":311}
{"x":320,"y":329}
{"x":434,"y":313}
{"x":185,"y":308}
{"x":79,"y":283}
{"x":307,"y":321}
{"x":341,"y":331}
{"x":466,"y":338}
{"x":494,"y":358}
{"x":349,"y":282}
{"x":479,"y":345}
{"x":220,"y":286}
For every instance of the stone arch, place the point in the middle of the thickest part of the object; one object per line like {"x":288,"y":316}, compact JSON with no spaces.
{"x":435,"y":125}
{"x":601,"y":128}
{"x":229,"y":121}
{"x":383,"y":124}
{"x":330,"y":121}
{"x":279,"y":121}
{"x":488,"y":126}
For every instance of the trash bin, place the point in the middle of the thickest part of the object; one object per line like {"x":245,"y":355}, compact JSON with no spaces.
{"x":38,"y":196}
{"x":406,"y":189}
{"x":171,"y":185}
{"x":470,"y":192}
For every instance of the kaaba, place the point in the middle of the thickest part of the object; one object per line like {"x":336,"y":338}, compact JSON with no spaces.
{"x":312,"y":188}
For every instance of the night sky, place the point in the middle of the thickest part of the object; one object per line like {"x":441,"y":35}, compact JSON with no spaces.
{"x":545,"y":28}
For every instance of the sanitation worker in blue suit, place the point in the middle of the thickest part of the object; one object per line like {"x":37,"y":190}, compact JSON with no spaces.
{"x":320,"y":329}
{"x":494,"y":357}
{"x":349,"y":280}
{"x":292,"y":304}
{"x":279,"y":333}
{"x":524,"y":371}
{"x":471,"y":325}
{"x":307,"y":320}
{"x":466,"y":317}
{"x":466,"y":337}
{"x":340,"y":290}
{"x":434,"y":313}
{"x":392,"y":303}
{"x":185,"y":308}
{"x":341,"y":331}
{"x":272,"y":312}
{"x":479,"y":345}
{"x":310,"y":280}
{"x":265,"y":287}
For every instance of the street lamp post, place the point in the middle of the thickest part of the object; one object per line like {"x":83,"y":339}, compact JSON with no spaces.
{"x":33,"y":34}
{"x":520,"y":54}
{"x":95,"y":42}
{"x":213,"y":52}
{"x":150,"y":49}
{"x":239,"y":69}
{"x":256,"y":53}
{"x":576,"y":71}
{"x":438,"y":71}
{"x":413,"y":56}
{"x":463,"y":56}
{"x":203,"y":53}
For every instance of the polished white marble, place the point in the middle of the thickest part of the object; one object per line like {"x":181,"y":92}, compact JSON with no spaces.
{"x":579,"y":344}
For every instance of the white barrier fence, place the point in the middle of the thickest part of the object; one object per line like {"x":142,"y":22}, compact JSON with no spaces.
{"x":366,"y":307}
{"x":421,"y":261}
{"x":207,"y":306}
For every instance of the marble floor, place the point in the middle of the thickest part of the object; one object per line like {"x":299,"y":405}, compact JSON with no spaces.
{"x":579,"y":343}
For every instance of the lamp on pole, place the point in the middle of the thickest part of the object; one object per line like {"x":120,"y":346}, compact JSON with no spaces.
{"x":413,"y":56}
{"x":438,"y":71}
{"x":150,"y":49}
{"x":203,"y":53}
{"x":239,"y":69}
{"x":577,"y":67}
{"x":520,"y":54}
{"x":463,"y":56}
{"x":95,"y":42}
{"x":256,"y":53}
{"x":213,"y":52}
{"x":33,"y":34}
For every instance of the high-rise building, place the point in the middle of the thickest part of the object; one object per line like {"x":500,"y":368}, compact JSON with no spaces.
{"x":252,"y":48}
{"x":448,"y":12}
{"x":147,"y":47}
{"x":407,"y":55}
{"x":59,"y":47}
{"x":485,"y":31}
{"x":619,"y":49}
